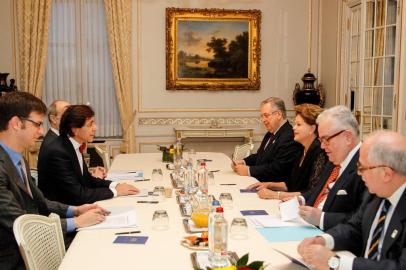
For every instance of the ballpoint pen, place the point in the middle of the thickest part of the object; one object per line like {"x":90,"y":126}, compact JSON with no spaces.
{"x":215,"y":171}
{"x":147,"y":201}
{"x":228,"y":184}
{"x":145,"y":179}
{"x":131,"y":232}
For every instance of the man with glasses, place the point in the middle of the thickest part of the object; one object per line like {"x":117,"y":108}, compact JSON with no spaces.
{"x":62,"y":172}
{"x":340,"y":192}
{"x":21,"y":120}
{"x":277,"y":152}
{"x":376,"y":234}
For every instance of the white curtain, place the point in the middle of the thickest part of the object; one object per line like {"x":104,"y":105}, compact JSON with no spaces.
{"x":79,"y":65}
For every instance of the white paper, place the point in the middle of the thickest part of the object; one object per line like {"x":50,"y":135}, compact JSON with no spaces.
{"x":269,"y":221}
{"x":289,"y":210}
{"x":120,"y":217}
{"x":125,"y":175}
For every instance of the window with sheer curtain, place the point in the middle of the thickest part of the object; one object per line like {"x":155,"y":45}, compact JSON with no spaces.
{"x":79,"y":65}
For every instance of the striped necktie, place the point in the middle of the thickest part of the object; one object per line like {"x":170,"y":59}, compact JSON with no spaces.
{"x":22,"y":172}
{"x":373,"y":252}
{"x":323,"y":193}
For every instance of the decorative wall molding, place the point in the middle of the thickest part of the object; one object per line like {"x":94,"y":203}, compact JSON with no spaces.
{"x":198,"y":121}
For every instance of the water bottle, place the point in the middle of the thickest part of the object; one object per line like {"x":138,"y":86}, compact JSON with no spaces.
{"x":178,"y":150}
{"x":202,"y":178}
{"x":189,"y":180}
{"x":219,"y":236}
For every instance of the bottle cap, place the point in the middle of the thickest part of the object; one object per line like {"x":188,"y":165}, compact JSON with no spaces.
{"x":215,"y":203}
{"x":219,"y":210}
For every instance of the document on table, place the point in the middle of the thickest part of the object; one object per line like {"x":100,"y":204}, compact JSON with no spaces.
{"x":120,"y":217}
{"x":125,"y":175}
{"x":270,"y":221}
{"x":289,"y":210}
{"x":294,"y":260}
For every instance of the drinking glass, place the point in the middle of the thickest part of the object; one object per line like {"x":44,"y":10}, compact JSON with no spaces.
{"x":226,"y":200}
{"x":239,"y":229}
{"x":192,"y":158}
{"x":160,"y":220}
{"x":86,"y":157}
{"x":168,"y":192}
{"x":159,"y":191}
{"x":156,"y":175}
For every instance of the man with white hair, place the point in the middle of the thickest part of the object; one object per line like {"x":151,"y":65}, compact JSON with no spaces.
{"x":337,"y":197}
{"x":376,"y":234}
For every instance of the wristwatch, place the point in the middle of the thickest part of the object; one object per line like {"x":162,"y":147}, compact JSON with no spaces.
{"x":334,"y":262}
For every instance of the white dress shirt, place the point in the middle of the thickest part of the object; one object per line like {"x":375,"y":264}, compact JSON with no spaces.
{"x":76,"y":146}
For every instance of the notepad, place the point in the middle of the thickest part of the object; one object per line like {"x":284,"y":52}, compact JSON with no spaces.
{"x":286,"y":234}
{"x":120,"y":217}
{"x":125,"y":175}
{"x":140,"y":240}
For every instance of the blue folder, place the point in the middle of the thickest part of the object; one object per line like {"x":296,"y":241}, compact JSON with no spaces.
{"x":285,"y":234}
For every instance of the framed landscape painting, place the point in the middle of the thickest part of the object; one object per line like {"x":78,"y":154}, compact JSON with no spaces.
{"x":212,"y":49}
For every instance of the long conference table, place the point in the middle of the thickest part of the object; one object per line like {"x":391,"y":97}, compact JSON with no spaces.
{"x":94,"y":249}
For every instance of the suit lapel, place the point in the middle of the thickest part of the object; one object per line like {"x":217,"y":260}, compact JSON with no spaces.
{"x":71,"y":151}
{"x":344,"y":177}
{"x":317,"y":189}
{"x":395,"y":228}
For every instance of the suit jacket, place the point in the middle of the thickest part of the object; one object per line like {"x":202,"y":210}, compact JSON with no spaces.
{"x":14,"y":202}
{"x":48,"y":139}
{"x":344,"y":198}
{"x":275,"y":162}
{"x":353,"y":236}
{"x":60,"y":177}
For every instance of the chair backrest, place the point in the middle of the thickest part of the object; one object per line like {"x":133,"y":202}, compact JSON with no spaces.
{"x":104,"y":155}
{"x":40,"y":241}
{"x":242,"y":151}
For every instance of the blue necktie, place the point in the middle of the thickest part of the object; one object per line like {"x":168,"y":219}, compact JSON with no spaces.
{"x":22,"y":172}
{"x":376,"y":236}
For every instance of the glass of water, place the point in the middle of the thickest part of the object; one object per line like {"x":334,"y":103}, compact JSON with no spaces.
{"x":239,"y":229}
{"x":156,"y":175}
{"x":160,"y":220}
{"x":226,"y":200}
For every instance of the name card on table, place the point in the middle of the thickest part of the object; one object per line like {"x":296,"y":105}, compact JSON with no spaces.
{"x":140,"y":240}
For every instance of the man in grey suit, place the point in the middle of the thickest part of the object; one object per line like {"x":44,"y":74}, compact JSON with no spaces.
{"x":21,"y":121}
{"x":376,"y":234}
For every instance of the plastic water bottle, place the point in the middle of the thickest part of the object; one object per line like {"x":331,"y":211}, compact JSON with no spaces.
{"x":218,"y":256}
{"x":212,"y":213}
{"x":178,"y":150}
{"x":202,"y":178}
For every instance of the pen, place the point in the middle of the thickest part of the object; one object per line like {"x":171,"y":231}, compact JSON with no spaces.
{"x":228,"y":184}
{"x":119,"y":233}
{"x":145,"y":179}
{"x":215,"y":171}
{"x":147,"y":201}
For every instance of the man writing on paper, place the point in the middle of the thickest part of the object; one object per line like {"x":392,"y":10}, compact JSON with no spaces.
{"x":278,"y":151}
{"x":376,"y":234}
{"x":21,"y":118}
{"x":339,"y":193}
{"x":55,"y":112}
{"x":63,"y":174}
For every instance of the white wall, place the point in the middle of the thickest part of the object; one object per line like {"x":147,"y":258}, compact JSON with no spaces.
{"x":284,"y":59}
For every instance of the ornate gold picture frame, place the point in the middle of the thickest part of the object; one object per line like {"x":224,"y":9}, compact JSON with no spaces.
{"x":213,"y":49}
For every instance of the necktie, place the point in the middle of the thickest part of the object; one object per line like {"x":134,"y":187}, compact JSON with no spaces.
{"x":270,"y":140}
{"x":22,"y":172}
{"x":376,"y":236}
{"x":82,"y":148}
{"x":323,"y":193}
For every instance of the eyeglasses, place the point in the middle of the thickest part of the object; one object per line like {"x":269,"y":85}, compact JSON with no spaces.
{"x":37,"y":124}
{"x":326,"y":139}
{"x":267,"y":115}
{"x":361,"y":169}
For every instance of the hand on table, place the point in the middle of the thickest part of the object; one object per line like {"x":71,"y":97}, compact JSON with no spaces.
{"x":99,"y":172}
{"x":79,"y":210}
{"x":91,"y":217}
{"x":240,"y":169}
{"x":258,"y":186}
{"x":124,"y":189}
{"x":310,"y":214}
{"x":317,"y":256}
{"x":268,"y":194}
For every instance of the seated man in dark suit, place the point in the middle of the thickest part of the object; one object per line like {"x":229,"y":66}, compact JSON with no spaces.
{"x":376,"y":234}
{"x":62,"y":172}
{"x":340,"y":192}
{"x":278,"y":151}
{"x":21,"y":120}
{"x":55,"y":112}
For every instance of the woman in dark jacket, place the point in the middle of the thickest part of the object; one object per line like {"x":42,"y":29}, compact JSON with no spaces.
{"x":307,"y":169}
